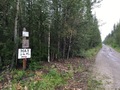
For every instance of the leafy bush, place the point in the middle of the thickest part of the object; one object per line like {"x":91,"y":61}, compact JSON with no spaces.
{"x":92,"y":52}
{"x":48,"y":82}
{"x":34,"y":65}
{"x":1,"y":78}
{"x":18,"y":75}
{"x":81,"y":53}
{"x":115,"y":46}
{"x":94,"y":84}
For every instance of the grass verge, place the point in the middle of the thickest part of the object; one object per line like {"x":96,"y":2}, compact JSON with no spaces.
{"x":117,"y":48}
{"x":92,"y":52}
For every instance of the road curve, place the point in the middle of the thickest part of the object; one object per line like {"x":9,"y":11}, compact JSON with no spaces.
{"x":107,"y":68}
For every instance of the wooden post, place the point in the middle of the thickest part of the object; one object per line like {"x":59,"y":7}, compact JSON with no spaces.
{"x":24,"y":60}
{"x":25,"y":44}
{"x":24,"y":63}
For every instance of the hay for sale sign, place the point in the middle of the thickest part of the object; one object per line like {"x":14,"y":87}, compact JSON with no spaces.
{"x":24,"y":53}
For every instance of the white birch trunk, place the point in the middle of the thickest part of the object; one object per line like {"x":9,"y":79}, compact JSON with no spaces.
{"x":16,"y":22}
{"x":16,"y":34}
{"x":49,"y":45}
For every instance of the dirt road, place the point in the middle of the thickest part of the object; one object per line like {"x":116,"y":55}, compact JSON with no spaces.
{"x":107,"y":68}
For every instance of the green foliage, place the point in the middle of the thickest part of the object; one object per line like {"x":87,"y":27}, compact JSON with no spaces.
{"x":94,"y":84}
{"x":34,"y":65}
{"x":48,"y":81}
{"x":1,"y":78}
{"x":73,"y":29}
{"x":70,"y":72}
{"x":113,"y":38}
{"x":18,"y":75}
{"x":82,"y":53}
{"x":51,"y":80}
{"x":92,"y":52}
{"x":81,"y":68}
{"x":117,"y":48}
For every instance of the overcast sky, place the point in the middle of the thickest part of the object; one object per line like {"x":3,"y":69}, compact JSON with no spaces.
{"x":108,"y":14}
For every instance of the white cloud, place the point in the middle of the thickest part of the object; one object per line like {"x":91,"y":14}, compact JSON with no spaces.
{"x":109,"y":14}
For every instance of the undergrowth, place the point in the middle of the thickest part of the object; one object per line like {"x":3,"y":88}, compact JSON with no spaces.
{"x":116,"y":47}
{"x":92,"y":52}
{"x":93,"y":84}
{"x":38,"y":81}
{"x":50,"y":78}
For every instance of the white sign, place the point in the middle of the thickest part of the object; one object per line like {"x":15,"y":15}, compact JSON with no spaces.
{"x":25,"y":34}
{"x":24,"y":53}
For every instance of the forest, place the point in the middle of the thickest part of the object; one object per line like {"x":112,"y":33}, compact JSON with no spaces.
{"x":113,"y":39}
{"x":58,"y":29}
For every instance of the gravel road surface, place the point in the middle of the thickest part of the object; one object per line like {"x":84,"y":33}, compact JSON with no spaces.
{"x":107,"y":68}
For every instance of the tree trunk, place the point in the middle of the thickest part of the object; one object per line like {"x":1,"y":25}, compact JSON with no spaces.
{"x":64,"y":48}
{"x":69,"y":47}
{"x":15,"y":36}
{"x":49,"y":44}
{"x":58,"y":46}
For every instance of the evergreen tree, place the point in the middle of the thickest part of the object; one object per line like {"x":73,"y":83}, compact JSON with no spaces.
{"x":59,"y":29}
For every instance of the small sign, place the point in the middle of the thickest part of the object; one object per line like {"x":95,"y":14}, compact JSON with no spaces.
{"x":25,"y":43}
{"x":25,"y":34}
{"x":24,"y":53}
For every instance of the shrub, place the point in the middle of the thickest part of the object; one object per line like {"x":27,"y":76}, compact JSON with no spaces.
{"x":35,"y":65}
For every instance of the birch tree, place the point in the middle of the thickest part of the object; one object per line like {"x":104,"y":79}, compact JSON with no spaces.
{"x":16,"y":35}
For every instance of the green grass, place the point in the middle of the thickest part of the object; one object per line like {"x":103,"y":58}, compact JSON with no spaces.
{"x":47,"y":82}
{"x":1,"y":78}
{"x":116,"y":47}
{"x":17,"y":75}
{"x":93,"y":84}
{"x":92,"y":52}
{"x":42,"y":81}
{"x":35,"y":65}
{"x":50,"y":81}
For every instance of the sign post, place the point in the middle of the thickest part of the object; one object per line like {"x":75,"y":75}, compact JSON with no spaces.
{"x":24,"y":63}
{"x":24,"y":53}
{"x":24,"y":34}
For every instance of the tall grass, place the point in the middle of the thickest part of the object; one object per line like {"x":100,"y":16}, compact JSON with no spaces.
{"x":92,"y":52}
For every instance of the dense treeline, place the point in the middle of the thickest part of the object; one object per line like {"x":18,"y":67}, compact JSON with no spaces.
{"x":113,"y":38}
{"x":58,"y":29}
